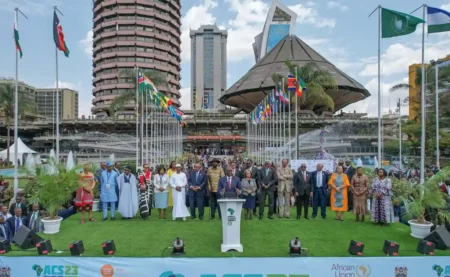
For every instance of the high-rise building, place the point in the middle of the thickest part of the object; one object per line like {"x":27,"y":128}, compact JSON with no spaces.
{"x":68,"y":102}
{"x":129,"y":34}
{"x":208,"y":67}
{"x":280,"y":22}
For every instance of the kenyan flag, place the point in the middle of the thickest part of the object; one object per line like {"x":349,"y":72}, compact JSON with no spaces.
{"x":16,"y":39}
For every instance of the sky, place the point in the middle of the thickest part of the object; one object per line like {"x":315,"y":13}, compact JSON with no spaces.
{"x":340,"y":30}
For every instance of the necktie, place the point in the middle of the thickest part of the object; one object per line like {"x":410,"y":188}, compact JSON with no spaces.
{"x":267,"y":172}
{"x":319,"y":179}
{"x":17,"y":223}
{"x":229,"y":183}
{"x":196,"y":177}
{"x":304,"y":176}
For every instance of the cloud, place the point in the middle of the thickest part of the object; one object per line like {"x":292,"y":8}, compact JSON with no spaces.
{"x":398,"y":57}
{"x":63,"y":84}
{"x":309,"y":15}
{"x":185,"y":98}
{"x":196,"y":16}
{"x":86,"y":43}
{"x":389,"y":100}
{"x":337,"y":5}
{"x":445,"y":7}
{"x":310,"y":3}
{"x":84,"y":108}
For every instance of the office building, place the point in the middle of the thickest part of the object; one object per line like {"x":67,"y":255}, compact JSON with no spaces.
{"x":129,"y":34}
{"x":280,"y":22}
{"x":68,"y":102}
{"x":208,"y":67}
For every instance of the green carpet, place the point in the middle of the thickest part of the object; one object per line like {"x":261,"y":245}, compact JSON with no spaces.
{"x":260,"y":238}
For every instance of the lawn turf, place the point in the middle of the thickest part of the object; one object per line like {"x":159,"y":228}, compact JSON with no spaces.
{"x":260,"y":238}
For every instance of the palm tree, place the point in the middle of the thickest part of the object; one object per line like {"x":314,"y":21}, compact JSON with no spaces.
{"x":158,"y":78}
{"x":26,"y":105}
{"x":317,"y":81}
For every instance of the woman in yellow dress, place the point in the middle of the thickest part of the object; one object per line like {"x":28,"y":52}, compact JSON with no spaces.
{"x":85,"y":196}
{"x":172,"y":169}
{"x":339,"y":194}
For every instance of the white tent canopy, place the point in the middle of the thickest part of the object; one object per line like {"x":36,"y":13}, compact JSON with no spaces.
{"x":21,"y":149}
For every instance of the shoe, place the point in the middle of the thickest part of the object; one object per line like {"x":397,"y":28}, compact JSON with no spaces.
{"x":184,"y":219}
{"x":113,"y":218}
{"x":287,"y":217}
{"x":324,"y":217}
{"x":362,"y":218}
{"x":306,"y":217}
{"x":200,"y":217}
{"x":193,"y":217}
{"x":270,"y":217}
{"x":314,"y":216}
{"x":299,"y":216}
{"x":105,"y":219}
{"x":212,"y":217}
{"x":260,"y":217}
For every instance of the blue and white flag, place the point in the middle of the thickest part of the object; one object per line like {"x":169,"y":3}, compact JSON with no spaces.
{"x":438,"y":20}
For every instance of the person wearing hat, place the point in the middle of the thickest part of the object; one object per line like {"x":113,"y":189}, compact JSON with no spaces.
{"x":128,"y":197}
{"x":108,"y":194}
{"x":214,"y":174}
{"x":178,"y":182}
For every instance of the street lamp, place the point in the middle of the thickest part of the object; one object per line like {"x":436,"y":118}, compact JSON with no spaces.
{"x":436,"y":71}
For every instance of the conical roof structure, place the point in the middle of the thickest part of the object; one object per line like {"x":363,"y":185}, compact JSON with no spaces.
{"x":248,"y":91}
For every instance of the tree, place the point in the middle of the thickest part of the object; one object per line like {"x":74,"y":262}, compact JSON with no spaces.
{"x":27,"y":104}
{"x":317,"y":81}
{"x":158,"y":78}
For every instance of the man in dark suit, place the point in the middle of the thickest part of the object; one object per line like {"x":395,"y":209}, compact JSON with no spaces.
{"x":19,"y":204}
{"x":15,"y":222}
{"x":319,"y":180}
{"x":303,"y":190}
{"x":229,"y":183}
{"x":197,"y":191}
{"x":350,"y":171}
{"x":267,"y":179}
{"x":4,"y":228}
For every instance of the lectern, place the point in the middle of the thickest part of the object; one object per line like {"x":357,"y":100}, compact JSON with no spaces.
{"x":230,"y":209}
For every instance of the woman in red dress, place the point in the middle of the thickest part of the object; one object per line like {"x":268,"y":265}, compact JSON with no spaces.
{"x":85,"y":197}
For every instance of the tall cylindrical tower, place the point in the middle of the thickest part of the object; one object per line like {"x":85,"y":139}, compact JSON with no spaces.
{"x":130,"y":33}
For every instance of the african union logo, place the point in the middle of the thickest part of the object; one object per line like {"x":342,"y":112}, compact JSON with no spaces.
{"x":231,"y":211}
{"x":170,"y":274}
{"x":363,"y":271}
{"x":401,"y":271}
{"x":441,"y":271}
{"x":400,"y":24}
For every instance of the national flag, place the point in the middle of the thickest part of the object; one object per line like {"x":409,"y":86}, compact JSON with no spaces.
{"x":292,"y":82}
{"x":438,"y":20}
{"x":16,"y":38}
{"x":394,"y":23}
{"x":145,"y":84}
{"x":301,"y":86}
{"x":267,"y":106}
{"x":58,"y":36}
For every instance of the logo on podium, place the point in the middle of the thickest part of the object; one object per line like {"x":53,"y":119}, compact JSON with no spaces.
{"x":230,"y":216}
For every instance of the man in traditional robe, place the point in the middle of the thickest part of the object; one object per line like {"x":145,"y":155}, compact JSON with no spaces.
{"x":128,"y":196}
{"x":178,"y":182}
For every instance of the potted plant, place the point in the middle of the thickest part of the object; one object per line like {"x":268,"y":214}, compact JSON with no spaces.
{"x":427,"y":201}
{"x":53,"y":191}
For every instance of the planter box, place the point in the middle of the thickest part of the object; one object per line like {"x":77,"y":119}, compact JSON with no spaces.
{"x":419,"y":230}
{"x":51,"y":226}
{"x":95,"y":205}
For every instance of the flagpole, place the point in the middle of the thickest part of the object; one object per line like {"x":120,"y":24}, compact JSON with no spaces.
{"x":296,"y":119}
{"x":146,"y":127}
{"x":142,"y":130}
{"x":379,"y":87}
{"x":137,"y":116}
{"x":400,"y":133}
{"x":16,"y":110}
{"x":437,"y":113}
{"x":423,"y":104}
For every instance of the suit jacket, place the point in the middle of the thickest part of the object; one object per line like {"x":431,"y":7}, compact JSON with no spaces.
{"x":269,"y":178}
{"x":325,"y":179}
{"x":223,"y":184}
{"x":3,"y":235}
{"x":301,"y":186}
{"x":255,"y":174}
{"x":23,"y":206}
{"x":194,"y":181}
{"x":284,"y":176}
{"x":350,"y":171}
{"x":12,"y":225}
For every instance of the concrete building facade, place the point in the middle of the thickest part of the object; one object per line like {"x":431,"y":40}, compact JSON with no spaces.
{"x":68,"y":102}
{"x":208,"y":67}
{"x":129,"y":34}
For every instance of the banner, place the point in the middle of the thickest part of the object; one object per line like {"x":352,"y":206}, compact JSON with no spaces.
{"x":312,"y":164}
{"x":224,"y":267}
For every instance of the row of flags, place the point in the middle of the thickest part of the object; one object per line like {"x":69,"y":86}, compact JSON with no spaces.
{"x":278,"y":99}
{"x":146,"y":86}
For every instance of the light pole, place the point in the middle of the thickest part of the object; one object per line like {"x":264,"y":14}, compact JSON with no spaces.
{"x":436,"y":82}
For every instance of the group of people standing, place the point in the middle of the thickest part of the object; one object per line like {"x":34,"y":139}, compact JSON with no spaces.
{"x":344,"y":190}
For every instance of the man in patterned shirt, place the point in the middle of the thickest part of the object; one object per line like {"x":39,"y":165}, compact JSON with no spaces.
{"x":215,"y":172}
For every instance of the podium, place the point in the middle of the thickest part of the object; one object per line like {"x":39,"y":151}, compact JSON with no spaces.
{"x":231,"y":223}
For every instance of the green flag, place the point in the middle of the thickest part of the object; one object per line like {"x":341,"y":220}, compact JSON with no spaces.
{"x":394,"y":24}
